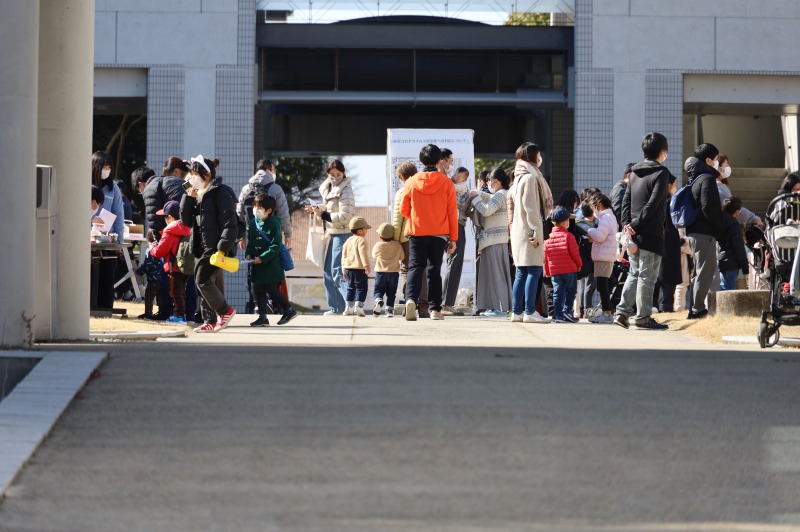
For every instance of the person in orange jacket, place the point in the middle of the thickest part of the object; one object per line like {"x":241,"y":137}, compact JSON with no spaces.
{"x":429,"y":205}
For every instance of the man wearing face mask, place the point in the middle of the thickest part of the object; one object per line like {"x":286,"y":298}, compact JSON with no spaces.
{"x":707,"y":228}
{"x":446,"y":164}
{"x":161,"y":189}
{"x":644,"y":210}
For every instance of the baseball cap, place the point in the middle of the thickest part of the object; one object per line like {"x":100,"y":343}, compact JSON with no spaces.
{"x":359,"y":223}
{"x":559,"y":214}
{"x":386,"y":230}
{"x":171,"y":208}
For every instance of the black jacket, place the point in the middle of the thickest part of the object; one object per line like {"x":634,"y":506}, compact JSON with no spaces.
{"x":214,"y":222}
{"x":158,"y":191}
{"x":644,"y":205}
{"x":731,"y":254}
{"x":706,"y":197}
{"x":617,"y":195}
{"x":670,"y":271}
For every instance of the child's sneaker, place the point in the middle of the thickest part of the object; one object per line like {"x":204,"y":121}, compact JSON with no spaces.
{"x":205,"y":328}
{"x":225,"y":319}
{"x":330,"y":312}
{"x":359,"y":311}
{"x":390,"y":312}
{"x":378,"y":308}
{"x":176,"y":320}
{"x":349,"y":311}
{"x":411,"y":310}
{"x":288,"y":316}
{"x":262,"y":321}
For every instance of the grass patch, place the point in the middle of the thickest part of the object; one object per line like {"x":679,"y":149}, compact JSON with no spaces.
{"x":713,"y":328}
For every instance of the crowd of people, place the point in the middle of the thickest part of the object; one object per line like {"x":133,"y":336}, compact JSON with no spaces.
{"x":646,"y":247}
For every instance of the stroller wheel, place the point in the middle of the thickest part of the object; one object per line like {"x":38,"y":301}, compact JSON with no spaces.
{"x":768,"y":335}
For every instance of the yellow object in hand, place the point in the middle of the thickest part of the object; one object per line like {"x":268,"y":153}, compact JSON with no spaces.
{"x":229,"y":264}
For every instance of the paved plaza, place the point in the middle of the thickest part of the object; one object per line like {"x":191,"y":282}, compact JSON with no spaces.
{"x":362,"y":424}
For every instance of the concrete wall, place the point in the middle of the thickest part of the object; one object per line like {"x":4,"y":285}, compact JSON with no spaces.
{"x":199,"y":59}
{"x":631,"y":58}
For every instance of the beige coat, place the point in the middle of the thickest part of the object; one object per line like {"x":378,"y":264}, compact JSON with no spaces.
{"x":340,"y":202}
{"x":528,"y":214}
{"x":354,"y":253}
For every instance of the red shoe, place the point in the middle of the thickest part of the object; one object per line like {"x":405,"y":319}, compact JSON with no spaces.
{"x":205,"y":328}
{"x":225,"y":319}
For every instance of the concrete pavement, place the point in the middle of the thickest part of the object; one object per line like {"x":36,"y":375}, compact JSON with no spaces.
{"x":361,"y":424}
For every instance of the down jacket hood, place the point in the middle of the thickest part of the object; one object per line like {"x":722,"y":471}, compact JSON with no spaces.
{"x":430,"y":183}
{"x":695,"y":167}
{"x":647,"y":167}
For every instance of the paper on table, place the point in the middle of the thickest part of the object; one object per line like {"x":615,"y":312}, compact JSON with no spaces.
{"x":108,"y":219}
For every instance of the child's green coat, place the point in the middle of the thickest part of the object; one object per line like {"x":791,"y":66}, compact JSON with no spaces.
{"x":270,"y":270}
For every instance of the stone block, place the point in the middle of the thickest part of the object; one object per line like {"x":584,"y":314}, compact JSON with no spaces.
{"x":740,"y":302}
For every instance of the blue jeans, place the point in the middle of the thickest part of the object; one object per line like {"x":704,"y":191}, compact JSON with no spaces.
{"x":565,"y":285}
{"x":357,"y":286}
{"x":386,"y":285}
{"x":335,"y":287}
{"x":639,"y":285}
{"x":526,"y":282}
{"x":728,"y":279}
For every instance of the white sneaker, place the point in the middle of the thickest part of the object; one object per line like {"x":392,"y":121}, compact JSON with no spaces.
{"x":330,"y":312}
{"x":602,"y":318}
{"x":359,"y":311}
{"x":535,"y":318}
{"x":378,"y":307}
{"x":436,"y":315}
{"x":349,"y":311}
{"x":516,"y":318}
{"x":411,"y":310}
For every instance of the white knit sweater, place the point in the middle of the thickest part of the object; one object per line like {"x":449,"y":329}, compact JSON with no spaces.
{"x":494,"y":218}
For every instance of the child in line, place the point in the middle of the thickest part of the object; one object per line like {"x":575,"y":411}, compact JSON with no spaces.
{"x":387,"y":254}
{"x":355,"y":264}
{"x":588,"y":284}
{"x":562,"y":261}
{"x":604,"y":253}
{"x":264,"y":243}
{"x":731,"y":255}
{"x":167,"y":249}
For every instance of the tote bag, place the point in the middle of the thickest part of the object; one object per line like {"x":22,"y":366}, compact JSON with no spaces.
{"x":317,"y":243}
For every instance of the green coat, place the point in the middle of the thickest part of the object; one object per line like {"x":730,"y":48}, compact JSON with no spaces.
{"x":270,"y":270}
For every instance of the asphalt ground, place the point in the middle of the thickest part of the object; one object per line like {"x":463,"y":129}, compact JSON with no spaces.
{"x":361,"y":424}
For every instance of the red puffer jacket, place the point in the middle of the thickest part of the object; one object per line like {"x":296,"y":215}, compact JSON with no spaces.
{"x":167,"y":247}
{"x":561,"y":254}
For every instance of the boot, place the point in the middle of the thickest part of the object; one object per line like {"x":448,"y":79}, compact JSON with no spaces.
{"x":422,"y":311}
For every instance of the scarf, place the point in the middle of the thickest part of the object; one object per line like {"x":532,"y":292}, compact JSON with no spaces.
{"x":545,"y":195}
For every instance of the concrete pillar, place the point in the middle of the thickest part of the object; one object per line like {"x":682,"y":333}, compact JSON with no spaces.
{"x":66,"y":76}
{"x":19,"y":40}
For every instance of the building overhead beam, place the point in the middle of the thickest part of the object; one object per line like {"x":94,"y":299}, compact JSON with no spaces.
{"x":543,"y":98}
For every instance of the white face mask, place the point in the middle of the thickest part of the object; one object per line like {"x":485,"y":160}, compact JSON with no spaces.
{"x":716,"y":165}
{"x":726,"y":172}
{"x":539,"y":161}
{"x":335,"y":180}
{"x":105,"y":173}
{"x":94,"y":211}
{"x":260,"y":213}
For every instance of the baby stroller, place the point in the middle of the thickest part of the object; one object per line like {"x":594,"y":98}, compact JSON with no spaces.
{"x":779,"y":250}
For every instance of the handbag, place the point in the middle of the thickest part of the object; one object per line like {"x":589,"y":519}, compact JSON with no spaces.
{"x":317,"y":243}
{"x":287,"y":263}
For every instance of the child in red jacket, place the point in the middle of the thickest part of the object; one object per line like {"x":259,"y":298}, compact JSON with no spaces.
{"x":167,"y":249}
{"x":562,"y":262}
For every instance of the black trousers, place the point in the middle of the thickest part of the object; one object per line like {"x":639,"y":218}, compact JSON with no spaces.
{"x":206,"y":277}
{"x":426,"y":254}
{"x":275,"y":294}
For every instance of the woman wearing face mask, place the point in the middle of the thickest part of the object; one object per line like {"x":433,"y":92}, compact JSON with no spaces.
{"x":532,"y":202}
{"x":209,"y":208}
{"x":337,"y":208}
{"x":493,"y":290}
{"x":722,"y":163}
{"x":102,"y":177}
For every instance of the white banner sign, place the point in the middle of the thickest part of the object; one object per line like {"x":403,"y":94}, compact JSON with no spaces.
{"x":405,"y":144}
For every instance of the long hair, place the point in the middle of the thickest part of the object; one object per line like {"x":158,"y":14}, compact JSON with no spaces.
{"x":99,"y":160}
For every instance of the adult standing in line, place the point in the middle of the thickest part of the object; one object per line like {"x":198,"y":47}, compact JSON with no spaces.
{"x":644,"y":210}
{"x":707,"y":227}
{"x":530,"y":208}
{"x":746,"y":217}
{"x":160,"y":189}
{"x":103,"y":177}
{"x":494,"y":276}
{"x":618,"y":190}
{"x":429,"y":204}
{"x":338,"y":207}
{"x":455,"y":260}
{"x":404,"y":172}
{"x":210,"y":211}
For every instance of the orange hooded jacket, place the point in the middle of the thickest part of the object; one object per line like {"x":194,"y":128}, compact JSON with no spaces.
{"x":430,"y":205}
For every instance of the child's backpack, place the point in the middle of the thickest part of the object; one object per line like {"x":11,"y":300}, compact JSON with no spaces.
{"x":184,"y":257}
{"x":682,"y":209}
